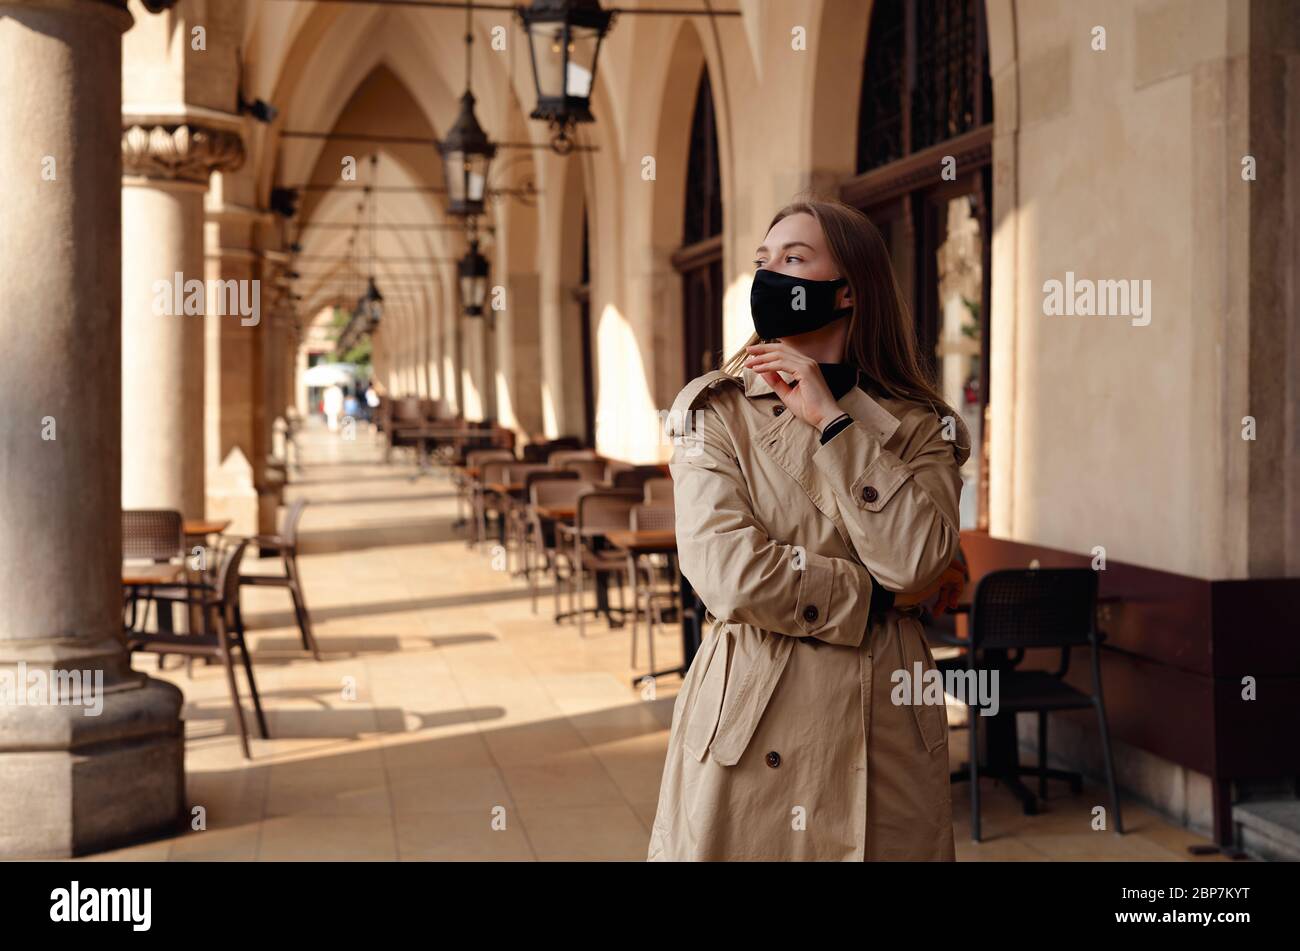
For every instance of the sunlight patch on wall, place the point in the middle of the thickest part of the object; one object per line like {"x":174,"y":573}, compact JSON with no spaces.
{"x":627,"y":421}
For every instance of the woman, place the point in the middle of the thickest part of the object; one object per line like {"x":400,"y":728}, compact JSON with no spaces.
{"x":816,"y":485}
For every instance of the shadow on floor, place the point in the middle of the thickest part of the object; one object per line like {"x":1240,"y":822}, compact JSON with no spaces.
{"x":385,"y":534}
{"x":274,"y":619}
{"x":267,"y":647}
{"x":374,"y":499}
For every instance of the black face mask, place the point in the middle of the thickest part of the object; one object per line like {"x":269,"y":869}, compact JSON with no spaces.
{"x":785,"y":306}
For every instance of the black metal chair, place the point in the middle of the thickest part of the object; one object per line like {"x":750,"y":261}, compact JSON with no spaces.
{"x":285,"y":545}
{"x":635,"y":477}
{"x":217,"y":603}
{"x":1018,"y":610}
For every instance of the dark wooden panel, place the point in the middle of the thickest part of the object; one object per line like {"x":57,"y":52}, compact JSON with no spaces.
{"x":1257,"y":627}
{"x":1176,"y":650}
{"x":1165,"y":711}
{"x":1256,"y":739}
{"x":1161,"y":616}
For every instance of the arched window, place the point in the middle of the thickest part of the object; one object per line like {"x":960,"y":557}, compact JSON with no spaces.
{"x":926,"y":78}
{"x":925,"y":146}
{"x":699,"y":260}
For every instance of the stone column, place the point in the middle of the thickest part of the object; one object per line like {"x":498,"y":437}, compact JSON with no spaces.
{"x":518,"y":355}
{"x":433,"y":356}
{"x":73,"y":778}
{"x":300,"y":388}
{"x":166,"y":165}
{"x":420,"y":324}
{"x":474,"y":373}
{"x":235,"y":329}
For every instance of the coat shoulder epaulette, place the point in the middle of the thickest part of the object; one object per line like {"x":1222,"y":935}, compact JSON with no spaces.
{"x":692,"y":396}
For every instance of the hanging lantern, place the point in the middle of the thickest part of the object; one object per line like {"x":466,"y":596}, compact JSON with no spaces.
{"x":564,"y":39}
{"x":373,"y":305}
{"x":473,"y":273}
{"x":467,"y":155}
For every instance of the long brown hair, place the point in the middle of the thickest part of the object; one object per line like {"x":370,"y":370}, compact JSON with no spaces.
{"x":881,"y":339}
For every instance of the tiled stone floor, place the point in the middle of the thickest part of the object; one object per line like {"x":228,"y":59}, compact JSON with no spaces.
{"x":443,"y":706}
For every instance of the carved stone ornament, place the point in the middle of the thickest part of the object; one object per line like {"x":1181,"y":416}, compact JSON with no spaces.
{"x":185,"y":152}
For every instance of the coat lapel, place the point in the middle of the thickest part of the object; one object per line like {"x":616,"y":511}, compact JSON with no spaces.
{"x":791,"y":445}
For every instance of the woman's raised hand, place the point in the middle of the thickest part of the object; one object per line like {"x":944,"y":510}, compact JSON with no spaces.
{"x":807,"y":393}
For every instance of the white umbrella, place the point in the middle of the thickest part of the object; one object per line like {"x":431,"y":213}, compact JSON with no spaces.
{"x":328,"y":374}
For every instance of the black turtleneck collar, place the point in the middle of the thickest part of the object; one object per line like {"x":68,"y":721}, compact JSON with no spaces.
{"x":840,"y":377}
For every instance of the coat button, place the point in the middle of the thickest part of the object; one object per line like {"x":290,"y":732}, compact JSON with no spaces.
{"x":774,"y":759}
{"x":778,"y":409}
{"x":810,"y":613}
{"x":870,"y":494}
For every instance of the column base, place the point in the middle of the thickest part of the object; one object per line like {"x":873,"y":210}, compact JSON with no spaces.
{"x":72,"y":784}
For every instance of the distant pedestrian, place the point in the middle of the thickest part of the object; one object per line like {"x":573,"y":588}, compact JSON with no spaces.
{"x":333,"y":407}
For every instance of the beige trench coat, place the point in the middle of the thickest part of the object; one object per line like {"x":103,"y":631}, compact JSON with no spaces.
{"x":785,"y":743}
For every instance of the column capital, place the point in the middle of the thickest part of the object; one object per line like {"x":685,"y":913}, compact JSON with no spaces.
{"x":183,"y":151}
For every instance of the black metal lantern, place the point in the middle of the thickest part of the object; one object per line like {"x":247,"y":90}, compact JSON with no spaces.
{"x":473,"y":273}
{"x":467,"y":155}
{"x":564,"y":39}
{"x":371,"y":306}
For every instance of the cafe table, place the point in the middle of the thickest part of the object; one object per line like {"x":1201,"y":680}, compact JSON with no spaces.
{"x":142,"y":576}
{"x":137,"y":576}
{"x":558,"y":513}
{"x":203,"y":527}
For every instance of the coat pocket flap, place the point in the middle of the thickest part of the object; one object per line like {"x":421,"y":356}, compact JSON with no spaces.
{"x":931,"y":719}
{"x":744,"y":706}
{"x":706,"y":705}
{"x":878,"y":482}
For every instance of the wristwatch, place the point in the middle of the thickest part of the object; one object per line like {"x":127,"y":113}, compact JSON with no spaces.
{"x":834,"y":427}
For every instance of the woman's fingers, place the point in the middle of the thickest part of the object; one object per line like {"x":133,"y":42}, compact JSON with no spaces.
{"x":781,"y":387}
{"x":778,"y":350}
{"x":779,"y":361}
{"x":762,"y":366}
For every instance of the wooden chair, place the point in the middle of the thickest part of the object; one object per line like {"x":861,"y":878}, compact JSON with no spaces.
{"x":650,"y":518}
{"x":658,"y":491}
{"x":285,"y":545}
{"x":527,"y":527}
{"x":559,"y":492}
{"x":597,"y":512}
{"x":514,"y":509}
{"x":156,"y":536}
{"x":468,"y":487}
{"x":222,"y":633}
{"x":559,"y":457}
{"x":589,"y":470}
{"x":634,"y":477}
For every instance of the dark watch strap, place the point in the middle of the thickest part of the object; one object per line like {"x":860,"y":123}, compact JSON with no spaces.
{"x":835,"y":427}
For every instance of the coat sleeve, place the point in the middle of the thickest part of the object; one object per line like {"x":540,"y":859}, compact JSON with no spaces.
{"x":901,"y":512}
{"x":739,"y":572}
